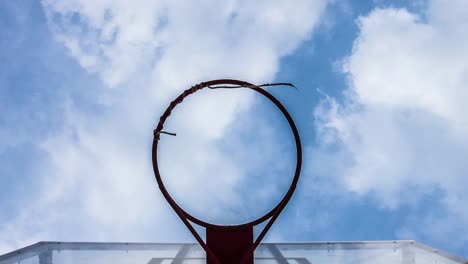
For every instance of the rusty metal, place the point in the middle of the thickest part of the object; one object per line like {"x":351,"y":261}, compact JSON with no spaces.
{"x":226,"y":236}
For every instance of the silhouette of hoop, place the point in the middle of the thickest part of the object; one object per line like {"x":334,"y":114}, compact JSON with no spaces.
{"x":185,"y":216}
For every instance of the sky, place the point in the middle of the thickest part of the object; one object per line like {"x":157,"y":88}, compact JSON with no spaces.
{"x":380,"y":109}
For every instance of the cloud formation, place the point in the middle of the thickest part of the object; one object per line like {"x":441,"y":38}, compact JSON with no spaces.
{"x":400,"y":131}
{"x":97,"y":182}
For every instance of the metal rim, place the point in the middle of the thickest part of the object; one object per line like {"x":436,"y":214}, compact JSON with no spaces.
{"x":285,"y":113}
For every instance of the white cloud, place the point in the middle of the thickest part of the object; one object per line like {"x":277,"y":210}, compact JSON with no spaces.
{"x":401,"y":130}
{"x":98,"y":183}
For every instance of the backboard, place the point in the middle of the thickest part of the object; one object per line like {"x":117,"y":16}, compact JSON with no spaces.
{"x":375,"y":252}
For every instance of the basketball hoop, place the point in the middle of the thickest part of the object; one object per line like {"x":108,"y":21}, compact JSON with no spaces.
{"x":228,"y":243}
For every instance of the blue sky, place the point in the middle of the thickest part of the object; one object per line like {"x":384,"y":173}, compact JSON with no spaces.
{"x":380,"y":108}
